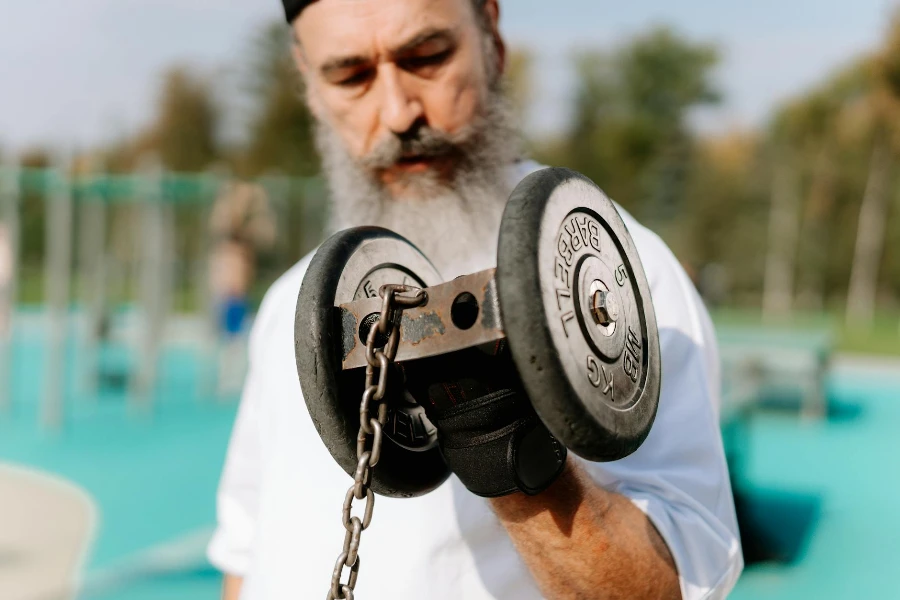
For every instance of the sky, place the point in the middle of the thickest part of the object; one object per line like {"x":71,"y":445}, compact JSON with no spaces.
{"x":78,"y":74}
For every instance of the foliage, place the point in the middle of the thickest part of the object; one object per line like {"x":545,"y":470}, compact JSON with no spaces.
{"x":720,"y":233}
{"x":281,"y":126}
{"x":708,"y":196}
{"x":186,"y":127}
{"x":629,"y":129}
{"x":518,"y":82}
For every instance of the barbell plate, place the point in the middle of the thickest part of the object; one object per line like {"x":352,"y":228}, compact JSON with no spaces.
{"x":350,"y":265}
{"x":592,"y":372}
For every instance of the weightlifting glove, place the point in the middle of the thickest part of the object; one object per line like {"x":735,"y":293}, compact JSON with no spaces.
{"x":489,"y":434}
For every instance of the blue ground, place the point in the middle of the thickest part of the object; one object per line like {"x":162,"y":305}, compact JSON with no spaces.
{"x":153,"y":475}
{"x":850,"y":463}
{"x":154,"y":478}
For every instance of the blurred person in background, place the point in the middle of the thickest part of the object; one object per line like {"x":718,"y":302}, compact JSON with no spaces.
{"x":242,"y":225}
{"x":416,"y":136}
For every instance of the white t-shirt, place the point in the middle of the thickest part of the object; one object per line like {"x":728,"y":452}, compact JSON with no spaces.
{"x":279,"y":502}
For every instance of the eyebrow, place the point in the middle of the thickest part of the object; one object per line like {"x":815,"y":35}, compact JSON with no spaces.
{"x":345,"y":62}
{"x":423,"y":37}
{"x":429,"y":35}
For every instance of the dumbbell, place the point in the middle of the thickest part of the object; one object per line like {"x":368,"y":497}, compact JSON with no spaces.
{"x":568,"y":295}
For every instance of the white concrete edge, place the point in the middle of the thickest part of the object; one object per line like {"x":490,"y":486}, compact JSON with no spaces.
{"x":78,"y":493}
{"x":886,"y":367}
{"x":183,"y":552}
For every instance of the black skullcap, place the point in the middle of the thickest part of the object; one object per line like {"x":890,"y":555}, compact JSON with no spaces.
{"x":292,"y":8}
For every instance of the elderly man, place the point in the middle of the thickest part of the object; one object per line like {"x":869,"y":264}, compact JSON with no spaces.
{"x":416,"y":137}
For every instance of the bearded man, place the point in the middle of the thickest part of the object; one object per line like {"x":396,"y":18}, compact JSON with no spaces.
{"x":416,"y":136}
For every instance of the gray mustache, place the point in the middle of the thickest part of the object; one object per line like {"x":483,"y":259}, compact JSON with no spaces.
{"x":424,"y":141}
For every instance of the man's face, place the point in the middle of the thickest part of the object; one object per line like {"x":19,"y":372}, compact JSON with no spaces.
{"x":411,"y":122}
{"x":397,"y":81}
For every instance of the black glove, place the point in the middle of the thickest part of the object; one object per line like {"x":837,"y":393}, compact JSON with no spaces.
{"x":489,"y":434}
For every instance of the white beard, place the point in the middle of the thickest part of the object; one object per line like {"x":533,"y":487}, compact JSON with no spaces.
{"x":458,"y":237}
{"x":455,"y":225}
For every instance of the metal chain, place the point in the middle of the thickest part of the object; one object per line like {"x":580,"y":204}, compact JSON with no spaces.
{"x":368,"y":441}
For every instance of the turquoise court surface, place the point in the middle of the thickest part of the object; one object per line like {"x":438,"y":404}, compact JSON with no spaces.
{"x":824,"y":489}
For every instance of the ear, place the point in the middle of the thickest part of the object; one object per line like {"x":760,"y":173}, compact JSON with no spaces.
{"x":297,"y":54}
{"x":492,"y":9}
{"x":312,"y":100}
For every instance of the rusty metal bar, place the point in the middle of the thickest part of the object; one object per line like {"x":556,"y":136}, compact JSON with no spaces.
{"x":430,"y":329}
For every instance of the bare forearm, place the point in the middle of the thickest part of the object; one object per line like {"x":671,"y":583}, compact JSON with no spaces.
{"x":580,"y":541}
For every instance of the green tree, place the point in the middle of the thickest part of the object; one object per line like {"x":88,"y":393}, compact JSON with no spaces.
{"x":720,"y":233}
{"x":518,"y":81}
{"x":186,"y":127}
{"x":280,"y":136}
{"x":33,"y":215}
{"x":629,"y":130}
{"x":281,"y":142}
{"x":811,"y":144}
{"x":882,"y":105}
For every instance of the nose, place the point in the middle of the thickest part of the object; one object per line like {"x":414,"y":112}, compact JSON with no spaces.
{"x":401,"y":107}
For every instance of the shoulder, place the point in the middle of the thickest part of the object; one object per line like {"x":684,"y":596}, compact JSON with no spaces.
{"x":686,"y":331}
{"x":677,"y":303}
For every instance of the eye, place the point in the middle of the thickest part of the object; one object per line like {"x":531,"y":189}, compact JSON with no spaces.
{"x":356,"y":79}
{"x":416,"y":63}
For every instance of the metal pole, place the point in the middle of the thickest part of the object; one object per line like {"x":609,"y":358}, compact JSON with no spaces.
{"x":870,"y":236}
{"x":57,"y":275}
{"x":9,"y":214}
{"x":93,"y":264}
{"x":151,"y":284}
{"x":167,"y":271}
{"x":206,"y":371}
{"x":784,"y":227}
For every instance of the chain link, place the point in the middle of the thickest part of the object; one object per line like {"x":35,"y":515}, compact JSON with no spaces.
{"x":368,"y":441}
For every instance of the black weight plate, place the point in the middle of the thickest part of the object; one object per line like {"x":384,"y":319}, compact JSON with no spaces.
{"x":594,"y":383}
{"x":350,"y":265}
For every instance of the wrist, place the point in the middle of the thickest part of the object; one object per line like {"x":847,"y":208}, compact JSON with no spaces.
{"x":561,"y":498}
{"x":497,"y":446}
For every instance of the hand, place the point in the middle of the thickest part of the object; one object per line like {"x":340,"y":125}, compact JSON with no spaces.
{"x":489,"y":434}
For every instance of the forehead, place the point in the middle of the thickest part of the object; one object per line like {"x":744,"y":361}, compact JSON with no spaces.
{"x":351,"y":27}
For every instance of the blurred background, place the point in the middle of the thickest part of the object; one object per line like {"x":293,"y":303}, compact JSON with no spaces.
{"x":157,"y":173}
